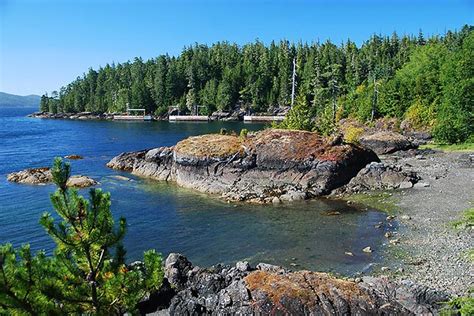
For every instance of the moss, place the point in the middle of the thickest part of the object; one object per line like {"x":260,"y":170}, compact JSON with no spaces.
{"x":450,"y":147}
{"x":382,"y":201}
{"x":211,"y":145}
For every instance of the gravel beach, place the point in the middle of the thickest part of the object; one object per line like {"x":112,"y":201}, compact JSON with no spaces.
{"x":434,"y":253}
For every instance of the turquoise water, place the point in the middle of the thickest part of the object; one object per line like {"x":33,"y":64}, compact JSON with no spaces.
{"x":172,"y":219}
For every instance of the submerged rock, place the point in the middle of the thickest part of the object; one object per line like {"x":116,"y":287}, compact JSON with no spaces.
{"x":288,"y":165}
{"x":386,"y":142}
{"x":272,"y":290}
{"x":43,"y":175}
{"x":73,"y":157}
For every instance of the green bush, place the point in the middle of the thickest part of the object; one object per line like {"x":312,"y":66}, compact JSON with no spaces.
{"x":324,"y":123}
{"x":299,"y":117}
{"x":243,"y":133}
{"x":87,"y":273}
{"x":420,"y":116}
{"x":463,"y":306}
{"x":160,"y":111}
{"x":352,"y":134}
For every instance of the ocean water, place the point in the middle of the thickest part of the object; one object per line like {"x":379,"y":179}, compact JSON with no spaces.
{"x":172,"y":219}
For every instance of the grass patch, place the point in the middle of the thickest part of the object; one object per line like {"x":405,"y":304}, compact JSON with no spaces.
{"x":467,"y":221}
{"x":398,"y":253}
{"x":450,"y":147}
{"x":382,"y":201}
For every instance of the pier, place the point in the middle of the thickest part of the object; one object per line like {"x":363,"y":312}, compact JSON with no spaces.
{"x":131,"y":117}
{"x":264,"y":118}
{"x":189,"y":118}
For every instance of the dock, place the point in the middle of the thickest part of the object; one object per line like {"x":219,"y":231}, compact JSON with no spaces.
{"x":130,"y":116}
{"x":188,"y":118}
{"x":264,"y":118}
{"x":133,"y":117}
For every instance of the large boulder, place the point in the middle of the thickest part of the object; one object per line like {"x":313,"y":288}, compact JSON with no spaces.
{"x":266,"y":166}
{"x":271,"y":290}
{"x":386,"y":142}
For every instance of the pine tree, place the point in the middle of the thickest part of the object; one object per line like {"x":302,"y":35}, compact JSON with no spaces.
{"x":83,"y":276}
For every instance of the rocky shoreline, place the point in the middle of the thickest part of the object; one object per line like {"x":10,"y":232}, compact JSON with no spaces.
{"x":270,"y":166}
{"x":272,"y":290}
{"x":431,"y":189}
{"x":431,"y":250}
{"x":215,"y":116}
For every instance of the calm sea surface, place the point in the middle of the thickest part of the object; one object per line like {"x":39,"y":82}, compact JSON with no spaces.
{"x":168,"y":218}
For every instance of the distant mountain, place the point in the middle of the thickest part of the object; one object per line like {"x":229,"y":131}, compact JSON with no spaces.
{"x":11,"y":100}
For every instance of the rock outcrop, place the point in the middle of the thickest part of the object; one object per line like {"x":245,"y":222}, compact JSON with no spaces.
{"x":272,"y":290}
{"x":40,"y":176}
{"x":380,"y":176}
{"x":268,"y":166}
{"x":32,"y":176}
{"x":386,"y":142}
{"x":80,"y":182}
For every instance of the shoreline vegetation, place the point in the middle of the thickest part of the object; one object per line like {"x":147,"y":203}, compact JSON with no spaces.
{"x":424,"y":83}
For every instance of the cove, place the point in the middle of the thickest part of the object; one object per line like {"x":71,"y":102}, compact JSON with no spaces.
{"x":171,"y":219}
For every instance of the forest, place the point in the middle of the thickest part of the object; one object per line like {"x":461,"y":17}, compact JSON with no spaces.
{"x":426,"y":81}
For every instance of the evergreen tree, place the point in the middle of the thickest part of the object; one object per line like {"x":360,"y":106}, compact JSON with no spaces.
{"x":299,"y":117}
{"x":87,"y":273}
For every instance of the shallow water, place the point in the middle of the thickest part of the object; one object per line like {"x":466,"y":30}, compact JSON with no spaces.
{"x":172,"y":219}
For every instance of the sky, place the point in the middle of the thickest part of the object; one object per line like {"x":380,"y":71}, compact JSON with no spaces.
{"x":45,"y":44}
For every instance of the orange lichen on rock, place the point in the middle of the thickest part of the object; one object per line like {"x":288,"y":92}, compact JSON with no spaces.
{"x":293,"y":145}
{"x":305,"y":286}
{"x":210,"y":146}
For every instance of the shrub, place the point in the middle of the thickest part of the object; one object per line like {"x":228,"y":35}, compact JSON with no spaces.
{"x":352,"y":134}
{"x":420,"y":116}
{"x":87,"y":273}
{"x":299,"y":117}
{"x":324,"y":123}
{"x":243,"y":133}
{"x":463,"y":306}
{"x":160,"y":111}
{"x":452,"y":126}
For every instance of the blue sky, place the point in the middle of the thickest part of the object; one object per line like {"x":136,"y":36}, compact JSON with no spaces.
{"x":46,"y":44}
